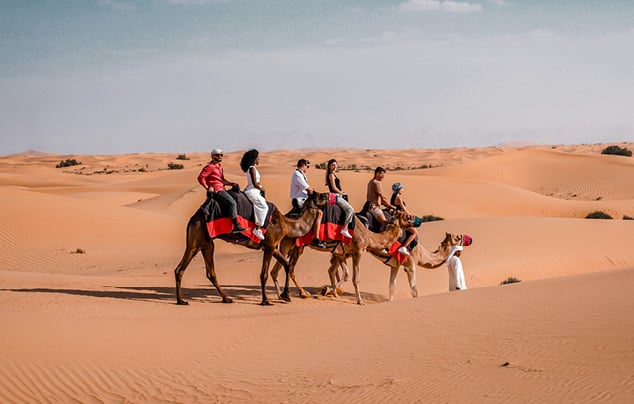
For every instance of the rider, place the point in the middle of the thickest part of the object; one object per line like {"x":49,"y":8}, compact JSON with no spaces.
{"x":375,"y":198}
{"x":299,"y":193}
{"x":341,"y":199}
{"x":398,"y":201}
{"x":254,"y":190}
{"x":213,"y":180}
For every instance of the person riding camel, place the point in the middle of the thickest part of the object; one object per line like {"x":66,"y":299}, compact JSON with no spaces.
{"x":334,"y":186}
{"x":212,"y":178}
{"x":299,"y":193}
{"x":398,"y":201}
{"x":375,"y":198}
{"x":254,"y":190}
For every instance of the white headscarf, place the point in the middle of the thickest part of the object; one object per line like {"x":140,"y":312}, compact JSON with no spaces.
{"x":453,"y":251}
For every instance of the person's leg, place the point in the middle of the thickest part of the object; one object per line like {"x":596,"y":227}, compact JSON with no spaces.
{"x":316,"y":227}
{"x":260,"y":208}
{"x":349,"y":212}
{"x":233,"y":211}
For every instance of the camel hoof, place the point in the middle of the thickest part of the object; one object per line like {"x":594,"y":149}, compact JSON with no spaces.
{"x":285,"y":297}
{"x":266,"y":303}
{"x":324,"y":291}
{"x":182,"y":303}
{"x":305,"y":295}
{"x":227,"y":300}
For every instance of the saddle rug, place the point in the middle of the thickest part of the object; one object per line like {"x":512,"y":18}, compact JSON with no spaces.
{"x":331,"y":225}
{"x":219,"y":219}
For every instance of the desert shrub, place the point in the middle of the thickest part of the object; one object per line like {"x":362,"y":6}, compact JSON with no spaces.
{"x":598,"y":215}
{"x":182,"y":157}
{"x":175,"y":166}
{"x":68,"y":163}
{"x":617,"y":150}
{"x":79,"y":251}
{"x":510,"y":279}
{"x":626,"y":217}
{"x":431,"y":218}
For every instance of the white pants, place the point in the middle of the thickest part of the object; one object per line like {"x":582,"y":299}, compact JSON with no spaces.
{"x":260,"y":208}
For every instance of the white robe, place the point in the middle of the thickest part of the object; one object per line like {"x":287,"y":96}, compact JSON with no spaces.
{"x":456,"y":275}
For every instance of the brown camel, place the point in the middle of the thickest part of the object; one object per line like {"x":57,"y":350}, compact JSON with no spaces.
{"x":419,"y":255}
{"x":362,"y":240}
{"x":198,"y":239}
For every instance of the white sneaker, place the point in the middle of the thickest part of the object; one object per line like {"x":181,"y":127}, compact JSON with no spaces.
{"x":346,"y":233}
{"x":258,"y":233}
{"x":403,"y":250}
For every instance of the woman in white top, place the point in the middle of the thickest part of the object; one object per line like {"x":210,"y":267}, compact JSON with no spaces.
{"x":456,"y":274}
{"x":254,"y":190}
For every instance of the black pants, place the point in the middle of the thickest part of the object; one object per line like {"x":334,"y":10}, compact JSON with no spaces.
{"x":223,"y":198}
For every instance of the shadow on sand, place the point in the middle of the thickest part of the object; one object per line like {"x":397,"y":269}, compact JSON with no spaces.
{"x":248,"y":294}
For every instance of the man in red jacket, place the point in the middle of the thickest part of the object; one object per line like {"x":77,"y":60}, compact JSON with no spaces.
{"x":212,"y":178}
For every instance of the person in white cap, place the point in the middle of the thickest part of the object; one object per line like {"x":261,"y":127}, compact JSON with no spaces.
{"x":212,"y":178}
{"x":454,"y":265}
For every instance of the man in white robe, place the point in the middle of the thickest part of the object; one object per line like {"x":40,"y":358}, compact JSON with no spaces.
{"x":456,"y":275}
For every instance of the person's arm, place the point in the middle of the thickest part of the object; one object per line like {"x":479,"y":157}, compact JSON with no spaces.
{"x":302,"y":181}
{"x":253,"y":180}
{"x":202,"y":177}
{"x":398,"y":201}
{"x":225,"y":181}
{"x":384,"y":201}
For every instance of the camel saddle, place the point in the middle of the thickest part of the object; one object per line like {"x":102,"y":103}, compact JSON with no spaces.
{"x":219,"y":217}
{"x":332,"y":222}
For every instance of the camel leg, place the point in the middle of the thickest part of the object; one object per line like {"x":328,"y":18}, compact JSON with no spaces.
{"x":208,"y":255}
{"x":266,"y":261}
{"x":393,"y":274}
{"x":356,"y":259}
{"x":274,"y":272}
{"x":179,"y":271}
{"x":333,"y":274}
{"x":294,"y":255}
{"x":281,"y":259}
{"x":410,"y":270}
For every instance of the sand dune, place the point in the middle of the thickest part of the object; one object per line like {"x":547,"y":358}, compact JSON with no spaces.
{"x":88,"y":305}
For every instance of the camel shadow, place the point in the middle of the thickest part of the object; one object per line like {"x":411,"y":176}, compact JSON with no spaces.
{"x":239,"y":293}
{"x":245,"y":294}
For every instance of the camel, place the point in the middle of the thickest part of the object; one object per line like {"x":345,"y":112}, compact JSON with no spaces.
{"x":419,"y":255}
{"x":280,"y":226}
{"x":362,"y":240}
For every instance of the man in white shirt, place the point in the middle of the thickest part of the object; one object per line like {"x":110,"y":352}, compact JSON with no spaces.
{"x":299,"y":193}
{"x":454,"y":265}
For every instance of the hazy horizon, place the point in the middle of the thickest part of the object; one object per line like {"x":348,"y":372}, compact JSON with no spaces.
{"x":109,"y":77}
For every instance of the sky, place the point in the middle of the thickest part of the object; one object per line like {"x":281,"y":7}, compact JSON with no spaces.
{"x":122,"y":76}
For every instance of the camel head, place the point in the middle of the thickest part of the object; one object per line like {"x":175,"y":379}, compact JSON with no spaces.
{"x":456,"y":239}
{"x":318,"y":199}
{"x":402,"y":219}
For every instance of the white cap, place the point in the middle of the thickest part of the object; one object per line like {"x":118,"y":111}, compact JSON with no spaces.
{"x":216,"y":151}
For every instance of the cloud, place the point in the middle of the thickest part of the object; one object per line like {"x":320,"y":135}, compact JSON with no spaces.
{"x":439,"y":5}
{"x":117,"y":5}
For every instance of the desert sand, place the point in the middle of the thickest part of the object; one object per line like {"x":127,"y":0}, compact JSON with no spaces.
{"x":87,"y":299}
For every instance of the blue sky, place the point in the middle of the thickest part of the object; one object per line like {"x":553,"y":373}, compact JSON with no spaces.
{"x":116,"y":76}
